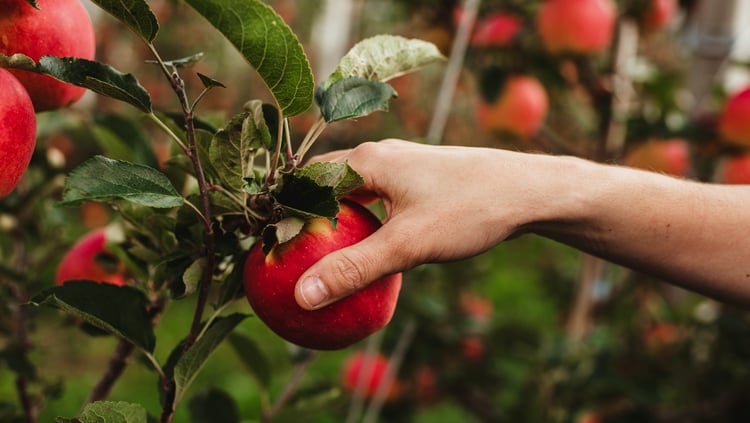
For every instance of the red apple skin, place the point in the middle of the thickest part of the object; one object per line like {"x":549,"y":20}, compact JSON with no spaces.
{"x":734,"y":170}
{"x":576,"y":26}
{"x":496,"y":30}
{"x":519,"y":109}
{"x":60,"y":28}
{"x":671,"y":156}
{"x":80,"y":262}
{"x":270,"y":281}
{"x":734,"y":120}
{"x":660,"y":13}
{"x":17,"y":132}
{"x":376,"y":365}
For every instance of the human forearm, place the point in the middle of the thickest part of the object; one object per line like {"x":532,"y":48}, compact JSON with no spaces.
{"x":687,"y":233}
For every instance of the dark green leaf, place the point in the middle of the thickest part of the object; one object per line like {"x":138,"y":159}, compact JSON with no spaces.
{"x":110,"y":412}
{"x":252,"y":357}
{"x":353,"y":97}
{"x":97,"y":77}
{"x":209,"y":82}
{"x":103,"y":179}
{"x":384,"y":57}
{"x":191,"y":362}
{"x":302,"y":196}
{"x":119,"y":310}
{"x":268,"y":44}
{"x":136,"y":14}
{"x":213,"y":405}
{"x":33,"y":3}
{"x":233,"y":149}
{"x":340,"y":176}
{"x":123,"y":139}
{"x":18,"y":361}
{"x":233,"y":286}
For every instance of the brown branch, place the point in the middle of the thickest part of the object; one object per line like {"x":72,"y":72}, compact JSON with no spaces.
{"x":117,"y":364}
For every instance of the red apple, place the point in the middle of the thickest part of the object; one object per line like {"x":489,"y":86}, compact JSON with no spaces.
{"x":576,"y":26}
{"x":734,"y":170}
{"x":89,"y":259}
{"x":372,"y":369}
{"x":671,"y":156}
{"x":660,"y":13}
{"x":17,"y":132}
{"x":496,"y":30}
{"x":519,"y":109}
{"x":60,"y":28}
{"x":734,"y":120}
{"x":270,"y":281}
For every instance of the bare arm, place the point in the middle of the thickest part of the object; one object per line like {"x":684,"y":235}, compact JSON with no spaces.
{"x":448,"y":203}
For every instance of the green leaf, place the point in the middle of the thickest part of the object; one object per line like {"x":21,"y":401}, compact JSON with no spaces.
{"x":122,"y":138}
{"x":384,"y":57}
{"x":340,"y":176}
{"x":233,"y":149}
{"x":184,"y":62}
{"x":119,"y":310}
{"x":353,"y":97}
{"x":192,"y":361}
{"x":281,"y":232}
{"x":209,"y":82}
{"x":252,"y":357}
{"x":136,"y":14}
{"x":268,"y":44}
{"x":193,"y":275}
{"x":109,"y":412}
{"x":103,"y":179}
{"x":301,"y":196}
{"x":98,"y":77}
{"x":213,"y":405}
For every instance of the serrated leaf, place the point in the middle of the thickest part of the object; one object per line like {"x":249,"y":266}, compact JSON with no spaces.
{"x":233,"y":148}
{"x":192,"y":361}
{"x":301,"y":196}
{"x":340,"y":176}
{"x":122,"y":138}
{"x":384,"y":57}
{"x":98,"y":77}
{"x":136,"y":14}
{"x":110,"y":412}
{"x":118,"y":310}
{"x":353,"y":97}
{"x":103,"y":179}
{"x":252,"y":357}
{"x":268,"y":44}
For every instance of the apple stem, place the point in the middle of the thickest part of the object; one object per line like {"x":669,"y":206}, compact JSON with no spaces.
{"x":312,"y":135}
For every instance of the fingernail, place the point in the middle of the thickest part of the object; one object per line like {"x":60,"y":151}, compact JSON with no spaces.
{"x":313,"y":291}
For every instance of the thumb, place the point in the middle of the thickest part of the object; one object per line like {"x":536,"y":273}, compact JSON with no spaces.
{"x":346,"y":271}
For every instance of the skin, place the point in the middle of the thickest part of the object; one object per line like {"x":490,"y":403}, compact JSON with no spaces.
{"x":446,"y":203}
{"x":17,"y":132}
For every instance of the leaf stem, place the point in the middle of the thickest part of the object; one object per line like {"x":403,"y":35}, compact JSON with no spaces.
{"x":168,"y":131}
{"x":274,"y":164}
{"x":312,"y":135}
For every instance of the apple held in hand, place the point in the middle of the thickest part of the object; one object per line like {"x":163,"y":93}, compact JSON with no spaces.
{"x":576,"y":26}
{"x":88,"y":259}
{"x":59,"y":28}
{"x":17,"y":132}
{"x":734,"y":170}
{"x":270,"y":281}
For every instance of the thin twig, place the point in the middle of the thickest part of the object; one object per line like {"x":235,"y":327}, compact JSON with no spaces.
{"x":117,"y":364}
{"x":290,"y":387}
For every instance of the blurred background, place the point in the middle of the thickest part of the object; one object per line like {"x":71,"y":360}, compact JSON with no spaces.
{"x":531,"y":331}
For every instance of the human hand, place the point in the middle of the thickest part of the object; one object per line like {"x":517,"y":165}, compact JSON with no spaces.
{"x":442,"y":203}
